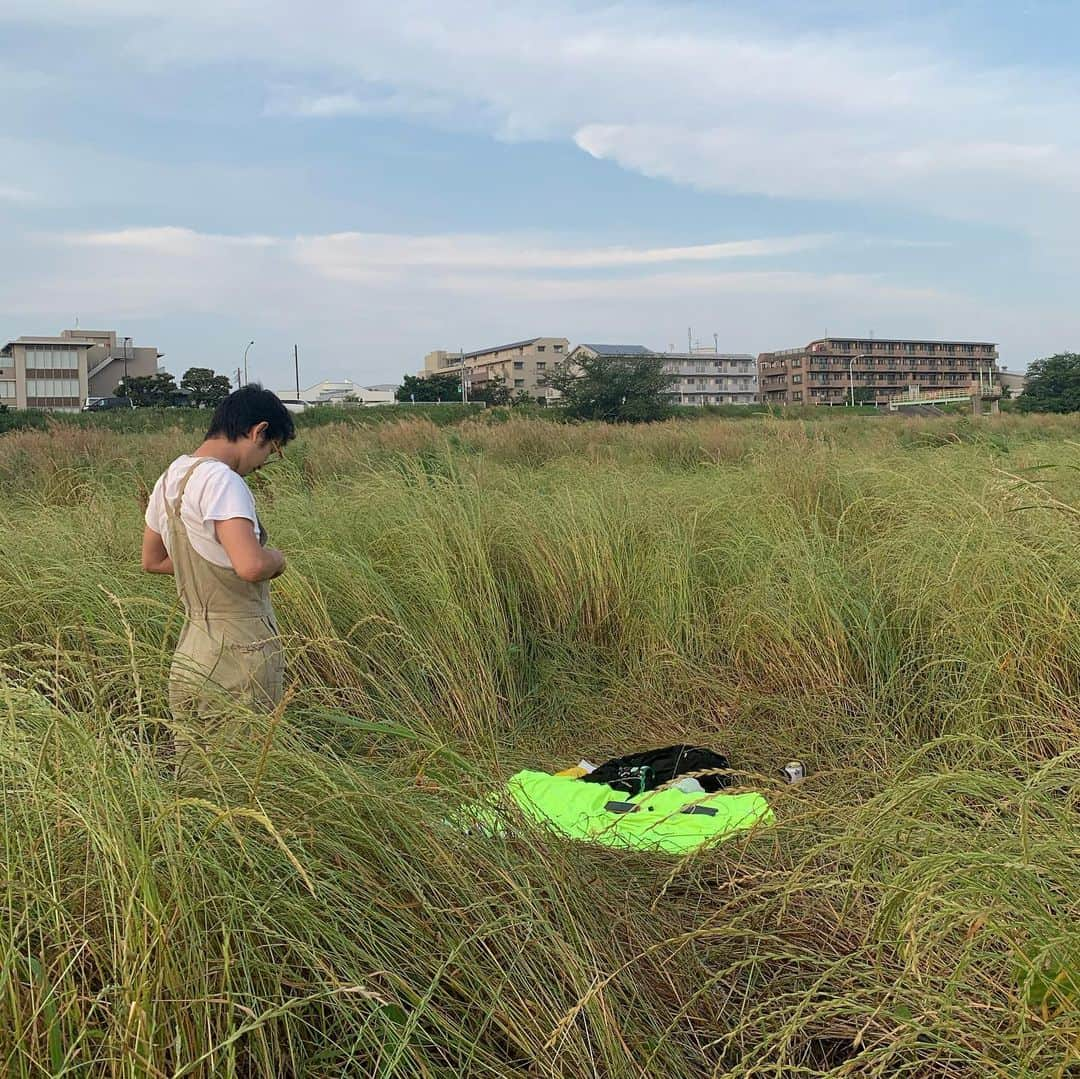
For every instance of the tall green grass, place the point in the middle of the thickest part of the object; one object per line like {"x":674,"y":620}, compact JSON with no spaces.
{"x":893,"y":601}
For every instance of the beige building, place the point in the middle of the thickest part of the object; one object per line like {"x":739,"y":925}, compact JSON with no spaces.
{"x":701,"y":377}
{"x":826,"y":372}
{"x":521,"y":364}
{"x":60,"y":373}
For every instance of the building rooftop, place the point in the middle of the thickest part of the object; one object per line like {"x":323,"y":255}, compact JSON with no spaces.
{"x":902,"y":341}
{"x":706,"y":355}
{"x":497,"y":348}
{"x":58,"y":342}
{"x":618,"y":350}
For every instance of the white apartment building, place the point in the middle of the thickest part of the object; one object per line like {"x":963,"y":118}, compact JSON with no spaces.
{"x":707,"y":377}
{"x":340,"y":391}
{"x":701,"y":377}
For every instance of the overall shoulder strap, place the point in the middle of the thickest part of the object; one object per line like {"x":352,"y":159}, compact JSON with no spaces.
{"x":175,"y":508}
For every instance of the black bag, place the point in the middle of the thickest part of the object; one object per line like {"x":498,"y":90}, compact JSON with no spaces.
{"x":645,"y":771}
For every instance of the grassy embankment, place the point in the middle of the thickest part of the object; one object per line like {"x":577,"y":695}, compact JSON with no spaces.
{"x":894,"y":602}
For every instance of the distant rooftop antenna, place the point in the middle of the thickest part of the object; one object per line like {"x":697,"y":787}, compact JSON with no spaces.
{"x":689,"y":339}
{"x":716,"y":343}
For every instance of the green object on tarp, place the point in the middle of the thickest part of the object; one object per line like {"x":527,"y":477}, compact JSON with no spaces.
{"x":655,"y":820}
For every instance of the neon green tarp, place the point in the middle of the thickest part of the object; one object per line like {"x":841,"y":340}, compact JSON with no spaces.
{"x":577,"y":811}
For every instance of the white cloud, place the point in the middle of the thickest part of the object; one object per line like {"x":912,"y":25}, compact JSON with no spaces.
{"x":164,"y":240}
{"x":675,"y":91}
{"x":288,"y":101}
{"x":392,"y":298}
{"x":346,"y":254}
{"x":16,"y":195}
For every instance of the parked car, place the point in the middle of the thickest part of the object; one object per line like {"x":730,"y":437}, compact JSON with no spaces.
{"x":104,"y":404}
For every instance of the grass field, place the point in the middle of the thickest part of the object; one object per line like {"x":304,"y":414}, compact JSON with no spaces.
{"x":893,"y":601}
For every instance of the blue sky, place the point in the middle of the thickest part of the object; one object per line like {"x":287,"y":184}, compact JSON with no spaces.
{"x":372,"y":181}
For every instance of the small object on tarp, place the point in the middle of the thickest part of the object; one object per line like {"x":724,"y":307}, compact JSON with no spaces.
{"x":577,"y":771}
{"x":652,"y":768}
{"x":671,"y":821}
{"x":793,"y":772}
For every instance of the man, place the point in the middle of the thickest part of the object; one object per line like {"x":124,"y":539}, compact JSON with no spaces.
{"x":201,"y":526}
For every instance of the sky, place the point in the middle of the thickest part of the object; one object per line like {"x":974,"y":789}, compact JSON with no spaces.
{"x":371,"y":181}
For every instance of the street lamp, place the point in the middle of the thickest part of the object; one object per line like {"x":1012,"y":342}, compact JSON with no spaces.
{"x":249,"y":344}
{"x":851,"y":373}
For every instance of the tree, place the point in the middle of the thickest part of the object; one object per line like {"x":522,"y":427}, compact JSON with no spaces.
{"x":1053,"y":385}
{"x":865,"y":395}
{"x":616,"y":389}
{"x":443,"y":387}
{"x":492,"y":391}
{"x":205,"y":388}
{"x":158,"y":390}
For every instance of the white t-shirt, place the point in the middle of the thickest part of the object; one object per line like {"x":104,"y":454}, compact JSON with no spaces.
{"x":214,"y":493}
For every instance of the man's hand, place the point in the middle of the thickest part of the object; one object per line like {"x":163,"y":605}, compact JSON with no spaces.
{"x":281,"y":555}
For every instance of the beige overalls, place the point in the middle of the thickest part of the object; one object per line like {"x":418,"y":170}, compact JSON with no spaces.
{"x":228,"y":660}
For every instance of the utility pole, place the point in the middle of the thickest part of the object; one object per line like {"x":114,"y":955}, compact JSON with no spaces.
{"x":464,"y":394}
{"x":716,"y":343}
{"x":689,"y":339}
{"x":296,"y":364}
{"x":238,"y":378}
{"x":249,"y":344}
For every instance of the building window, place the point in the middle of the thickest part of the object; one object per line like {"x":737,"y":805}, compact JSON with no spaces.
{"x":541,"y":365}
{"x":541,"y":348}
{"x":52,"y":359}
{"x":797,"y":395}
{"x":797,"y":362}
{"x":518,"y":382}
{"x":7,"y":389}
{"x":558,"y":348}
{"x":796,"y":378}
{"x":519,"y":365}
{"x":52,"y":387}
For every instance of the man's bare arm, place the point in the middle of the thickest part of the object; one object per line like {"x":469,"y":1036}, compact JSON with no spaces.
{"x":251,"y":561}
{"x":155,"y":559}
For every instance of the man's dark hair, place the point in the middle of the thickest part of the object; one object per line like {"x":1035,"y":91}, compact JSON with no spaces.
{"x":247,"y":407}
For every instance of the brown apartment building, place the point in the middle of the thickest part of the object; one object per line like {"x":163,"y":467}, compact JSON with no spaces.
{"x":826,"y":371}
{"x":60,"y":373}
{"x":521,"y":364}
